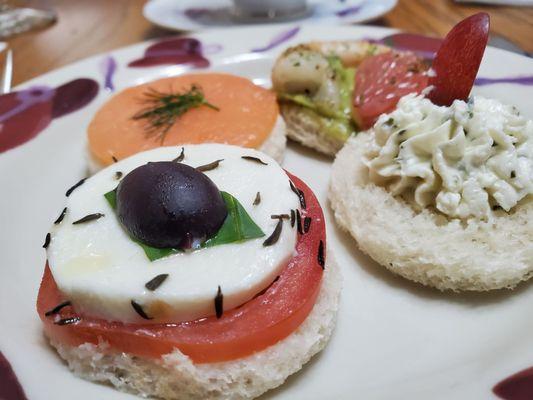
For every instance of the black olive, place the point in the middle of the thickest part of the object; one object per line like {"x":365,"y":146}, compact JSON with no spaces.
{"x":167,"y":204}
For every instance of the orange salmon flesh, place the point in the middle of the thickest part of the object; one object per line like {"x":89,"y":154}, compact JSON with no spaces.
{"x":247,"y":114}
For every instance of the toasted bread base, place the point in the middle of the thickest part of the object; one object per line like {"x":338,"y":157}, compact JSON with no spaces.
{"x":274,"y":146}
{"x":175,"y":376}
{"x":425,"y":246}
{"x":305,"y":130}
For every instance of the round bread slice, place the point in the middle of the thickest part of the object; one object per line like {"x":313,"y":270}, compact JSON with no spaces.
{"x":175,"y":376}
{"x":274,"y":146}
{"x":276,"y":143}
{"x":425,"y":246}
{"x":302,"y":127}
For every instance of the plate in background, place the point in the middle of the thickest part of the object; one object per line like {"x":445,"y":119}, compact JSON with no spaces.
{"x":192,"y":15}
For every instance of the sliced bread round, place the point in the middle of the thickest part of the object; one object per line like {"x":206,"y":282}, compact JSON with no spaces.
{"x":175,"y":376}
{"x":306,"y":130}
{"x":274,"y":146}
{"x":425,"y":246}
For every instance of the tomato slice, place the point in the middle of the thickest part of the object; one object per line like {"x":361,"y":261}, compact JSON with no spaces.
{"x":381,"y":80}
{"x":257,"y":324}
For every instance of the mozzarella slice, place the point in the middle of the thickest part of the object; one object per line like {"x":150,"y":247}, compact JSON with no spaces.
{"x":101,"y":270}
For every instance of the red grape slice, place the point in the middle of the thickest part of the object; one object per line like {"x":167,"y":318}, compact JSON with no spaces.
{"x":457,"y":61}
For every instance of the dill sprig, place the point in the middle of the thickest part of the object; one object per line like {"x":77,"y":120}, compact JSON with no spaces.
{"x":162,"y":109}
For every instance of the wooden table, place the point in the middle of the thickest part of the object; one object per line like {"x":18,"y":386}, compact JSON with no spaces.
{"x":87,"y":27}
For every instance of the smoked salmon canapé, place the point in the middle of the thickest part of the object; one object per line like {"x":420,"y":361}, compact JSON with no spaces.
{"x":192,"y":272}
{"x":186,"y":109}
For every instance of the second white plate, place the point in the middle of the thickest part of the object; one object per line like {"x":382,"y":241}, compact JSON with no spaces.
{"x":193,"y":15}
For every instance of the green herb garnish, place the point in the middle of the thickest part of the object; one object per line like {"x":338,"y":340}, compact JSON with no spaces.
{"x":237,"y":227}
{"x":111,"y":198}
{"x":162,"y":109}
{"x":334,"y":119}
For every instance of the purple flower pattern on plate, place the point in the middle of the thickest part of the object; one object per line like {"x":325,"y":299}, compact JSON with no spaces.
{"x":10,"y":388}
{"x":516,"y":387}
{"x":348,"y":11}
{"x":426,"y":47}
{"x":25,"y":113}
{"x":197,"y":12}
{"x":526,"y":80}
{"x":109,"y":67}
{"x":278,"y":39}
{"x":183,"y":50}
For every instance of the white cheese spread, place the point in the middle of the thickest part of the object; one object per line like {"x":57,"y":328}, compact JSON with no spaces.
{"x":466,"y":160}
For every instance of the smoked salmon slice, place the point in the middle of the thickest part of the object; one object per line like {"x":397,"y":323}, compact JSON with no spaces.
{"x":245,"y":117}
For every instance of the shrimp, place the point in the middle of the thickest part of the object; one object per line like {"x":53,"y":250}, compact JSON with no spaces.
{"x":300,"y":70}
{"x":351,"y":52}
{"x":306,"y":69}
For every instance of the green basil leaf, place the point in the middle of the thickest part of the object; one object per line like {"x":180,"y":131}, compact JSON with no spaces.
{"x":237,"y":227}
{"x":153,"y":253}
{"x":111,"y":198}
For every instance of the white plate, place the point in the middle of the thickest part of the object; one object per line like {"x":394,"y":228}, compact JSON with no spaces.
{"x":394,"y":339}
{"x":191,"y":15}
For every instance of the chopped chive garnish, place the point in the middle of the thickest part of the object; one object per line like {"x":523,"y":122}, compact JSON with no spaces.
{"x":272,"y":239}
{"x":280,"y":216}
{"x":254,"y":159}
{"x":46,"y":241}
{"x":68,"y":321}
{"x":293,"y":218}
{"x":77,"y":185}
{"x":88,"y":218}
{"x":302,"y":199}
{"x":61,"y":216}
{"x":219,"y":303}
{"x":257,"y":199}
{"x":209,"y":167}
{"x":57,"y":308}
{"x":163,"y":109}
{"x":307,"y":224}
{"x":156,"y":282}
{"x":298,"y":193}
{"x":181,"y":156}
{"x":293,"y":188}
{"x":139,"y":310}
{"x":320,"y":257}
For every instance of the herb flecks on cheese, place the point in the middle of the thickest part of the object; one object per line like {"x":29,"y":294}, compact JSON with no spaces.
{"x":467,"y":160}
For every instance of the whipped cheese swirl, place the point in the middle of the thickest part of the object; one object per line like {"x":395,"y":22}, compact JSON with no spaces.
{"x":466,"y":160}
